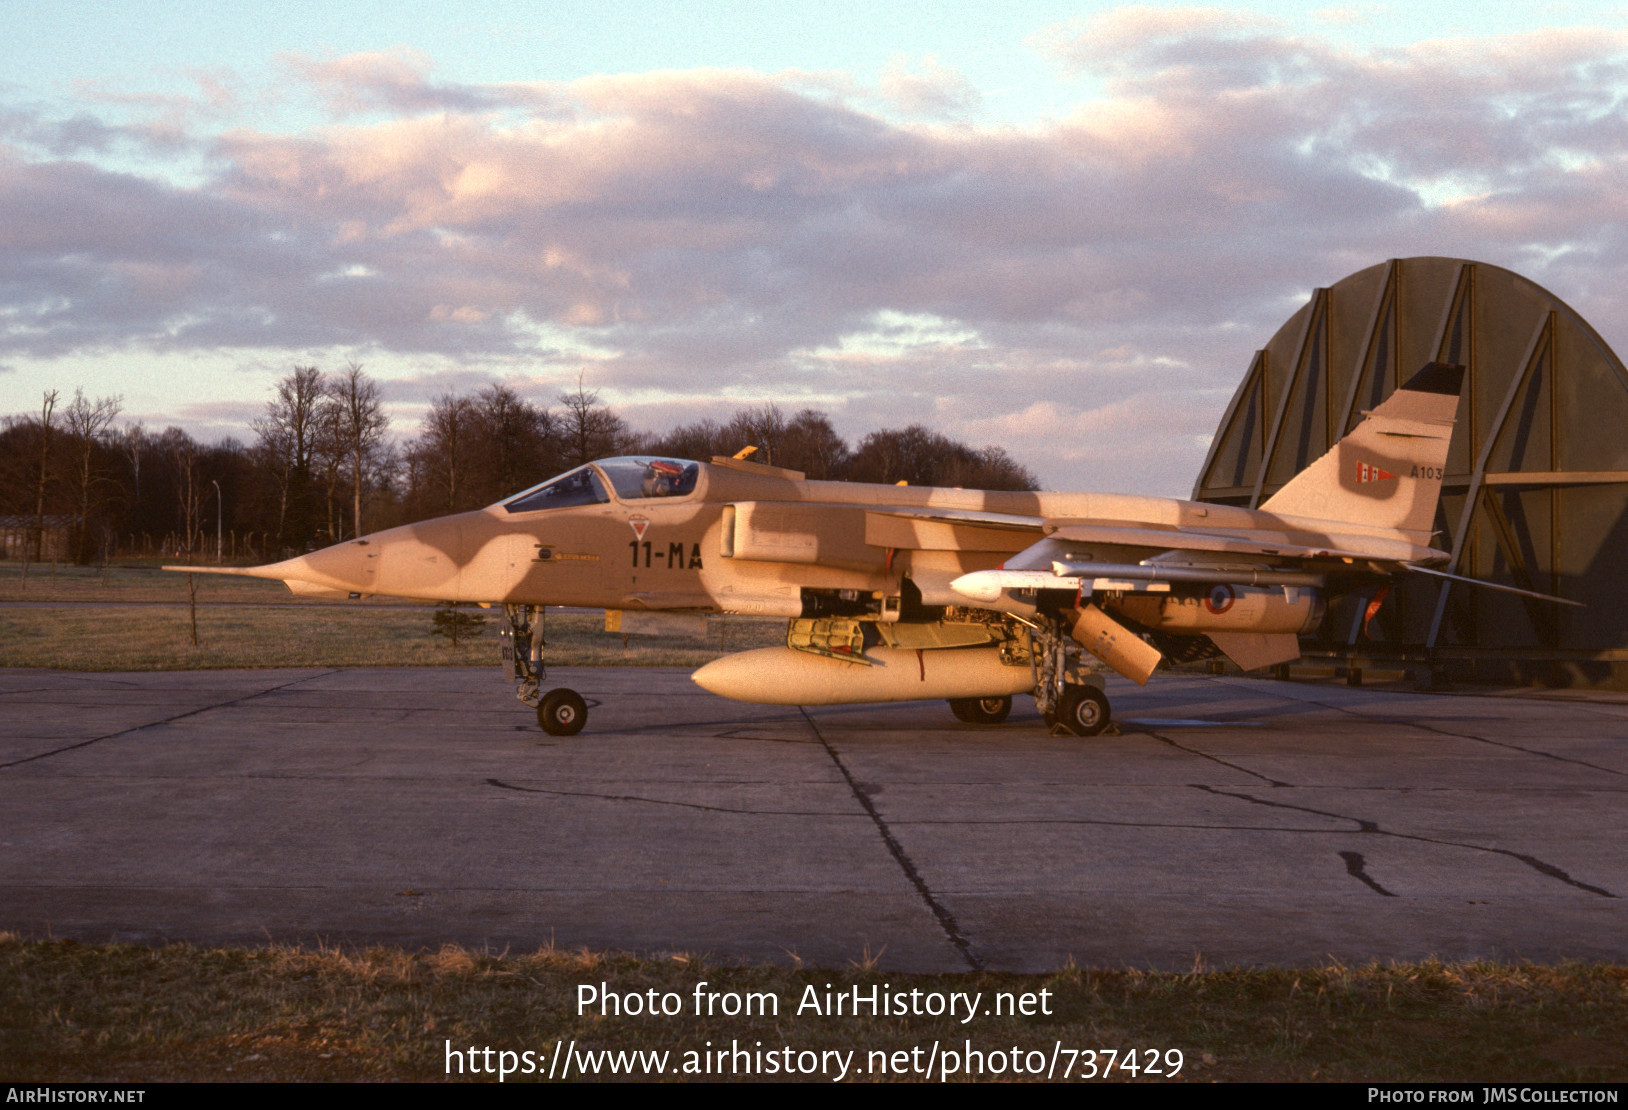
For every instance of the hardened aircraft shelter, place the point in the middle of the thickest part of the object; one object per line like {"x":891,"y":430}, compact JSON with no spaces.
{"x":1537,"y":478}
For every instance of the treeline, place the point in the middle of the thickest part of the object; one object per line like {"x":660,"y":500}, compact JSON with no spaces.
{"x":77,"y":484}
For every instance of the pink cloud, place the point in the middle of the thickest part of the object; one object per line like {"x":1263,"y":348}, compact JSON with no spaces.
{"x":397,"y":81}
{"x":706,"y":230}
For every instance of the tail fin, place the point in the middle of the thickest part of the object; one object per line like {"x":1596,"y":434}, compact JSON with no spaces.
{"x":1387,"y":472}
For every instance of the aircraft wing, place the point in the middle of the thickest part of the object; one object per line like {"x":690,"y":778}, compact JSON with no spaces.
{"x":944,"y":529}
{"x":940,"y":529}
{"x":1016,"y":521}
{"x":972,"y":530}
{"x":1173,"y":542}
{"x":951,"y":530}
{"x":1044,"y":552}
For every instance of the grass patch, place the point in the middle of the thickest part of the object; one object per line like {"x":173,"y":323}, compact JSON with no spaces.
{"x":128,"y":582}
{"x":158,"y":638}
{"x":135,"y":618}
{"x":131,"y":1014}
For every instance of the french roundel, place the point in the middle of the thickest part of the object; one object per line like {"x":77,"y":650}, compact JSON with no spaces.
{"x":1220,"y":599}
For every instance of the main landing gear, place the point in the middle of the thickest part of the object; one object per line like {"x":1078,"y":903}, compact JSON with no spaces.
{"x":1083,"y":710}
{"x":1067,"y":694}
{"x":560,"y":712}
{"x":981,"y":711}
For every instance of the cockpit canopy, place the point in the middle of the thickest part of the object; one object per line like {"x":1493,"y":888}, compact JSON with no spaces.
{"x":633,"y":477}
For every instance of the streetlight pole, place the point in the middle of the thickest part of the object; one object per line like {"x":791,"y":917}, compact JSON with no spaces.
{"x":218,"y":514}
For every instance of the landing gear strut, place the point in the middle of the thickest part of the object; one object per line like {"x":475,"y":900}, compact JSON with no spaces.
{"x":560,"y":712}
{"x":1065,"y":692}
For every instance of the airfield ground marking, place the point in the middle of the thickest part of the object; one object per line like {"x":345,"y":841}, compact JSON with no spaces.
{"x":1354,"y":861}
{"x":1365,"y":826}
{"x":169,"y":720}
{"x":1163,"y":739}
{"x":1355,"y":865}
{"x":500,"y":784}
{"x":1373,"y":718}
{"x":1374,"y":828}
{"x":946,"y":920}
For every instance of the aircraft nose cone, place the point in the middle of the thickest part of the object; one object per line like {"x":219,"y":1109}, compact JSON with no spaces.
{"x":425,"y":559}
{"x":348,"y":566}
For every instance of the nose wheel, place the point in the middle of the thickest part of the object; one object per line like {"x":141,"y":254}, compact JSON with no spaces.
{"x":562,"y":712}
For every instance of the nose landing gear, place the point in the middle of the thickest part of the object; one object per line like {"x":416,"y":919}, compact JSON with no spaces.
{"x":560,"y":712}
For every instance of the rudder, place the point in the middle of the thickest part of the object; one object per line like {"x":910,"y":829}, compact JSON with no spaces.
{"x":1387,"y":472}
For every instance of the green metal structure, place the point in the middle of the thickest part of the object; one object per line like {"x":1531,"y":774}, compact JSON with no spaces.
{"x":1536,"y":493}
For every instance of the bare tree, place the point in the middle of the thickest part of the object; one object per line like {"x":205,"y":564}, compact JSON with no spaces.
{"x":998,"y":470}
{"x":328,"y":461}
{"x":46,"y":411}
{"x":288,"y":441}
{"x":811,"y":444}
{"x":443,"y":447}
{"x":898,"y":455}
{"x":514,"y":443}
{"x":180,"y":452}
{"x":763,"y":427}
{"x":133,"y":443}
{"x":591,"y":429}
{"x":701,"y":440}
{"x":806,"y":442}
{"x":361,"y":425}
{"x":925,"y":458}
{"x":88,"y":424}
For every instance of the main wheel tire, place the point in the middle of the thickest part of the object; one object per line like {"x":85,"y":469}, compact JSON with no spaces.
{"x":981,"y":711}
{"x":562,"y":712}
{"x":1083,"y":710}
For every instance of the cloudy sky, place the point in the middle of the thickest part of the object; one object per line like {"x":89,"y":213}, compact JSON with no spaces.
{"x":1059,"y":227}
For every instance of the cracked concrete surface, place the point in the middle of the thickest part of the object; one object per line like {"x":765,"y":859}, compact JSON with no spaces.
{"x":1233,"y":821}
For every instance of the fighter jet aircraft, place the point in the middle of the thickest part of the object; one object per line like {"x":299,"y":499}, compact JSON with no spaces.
{"x":901,"y":593}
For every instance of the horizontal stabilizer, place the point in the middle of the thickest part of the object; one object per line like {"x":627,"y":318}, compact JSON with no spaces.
{"x":1496,"y":586}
